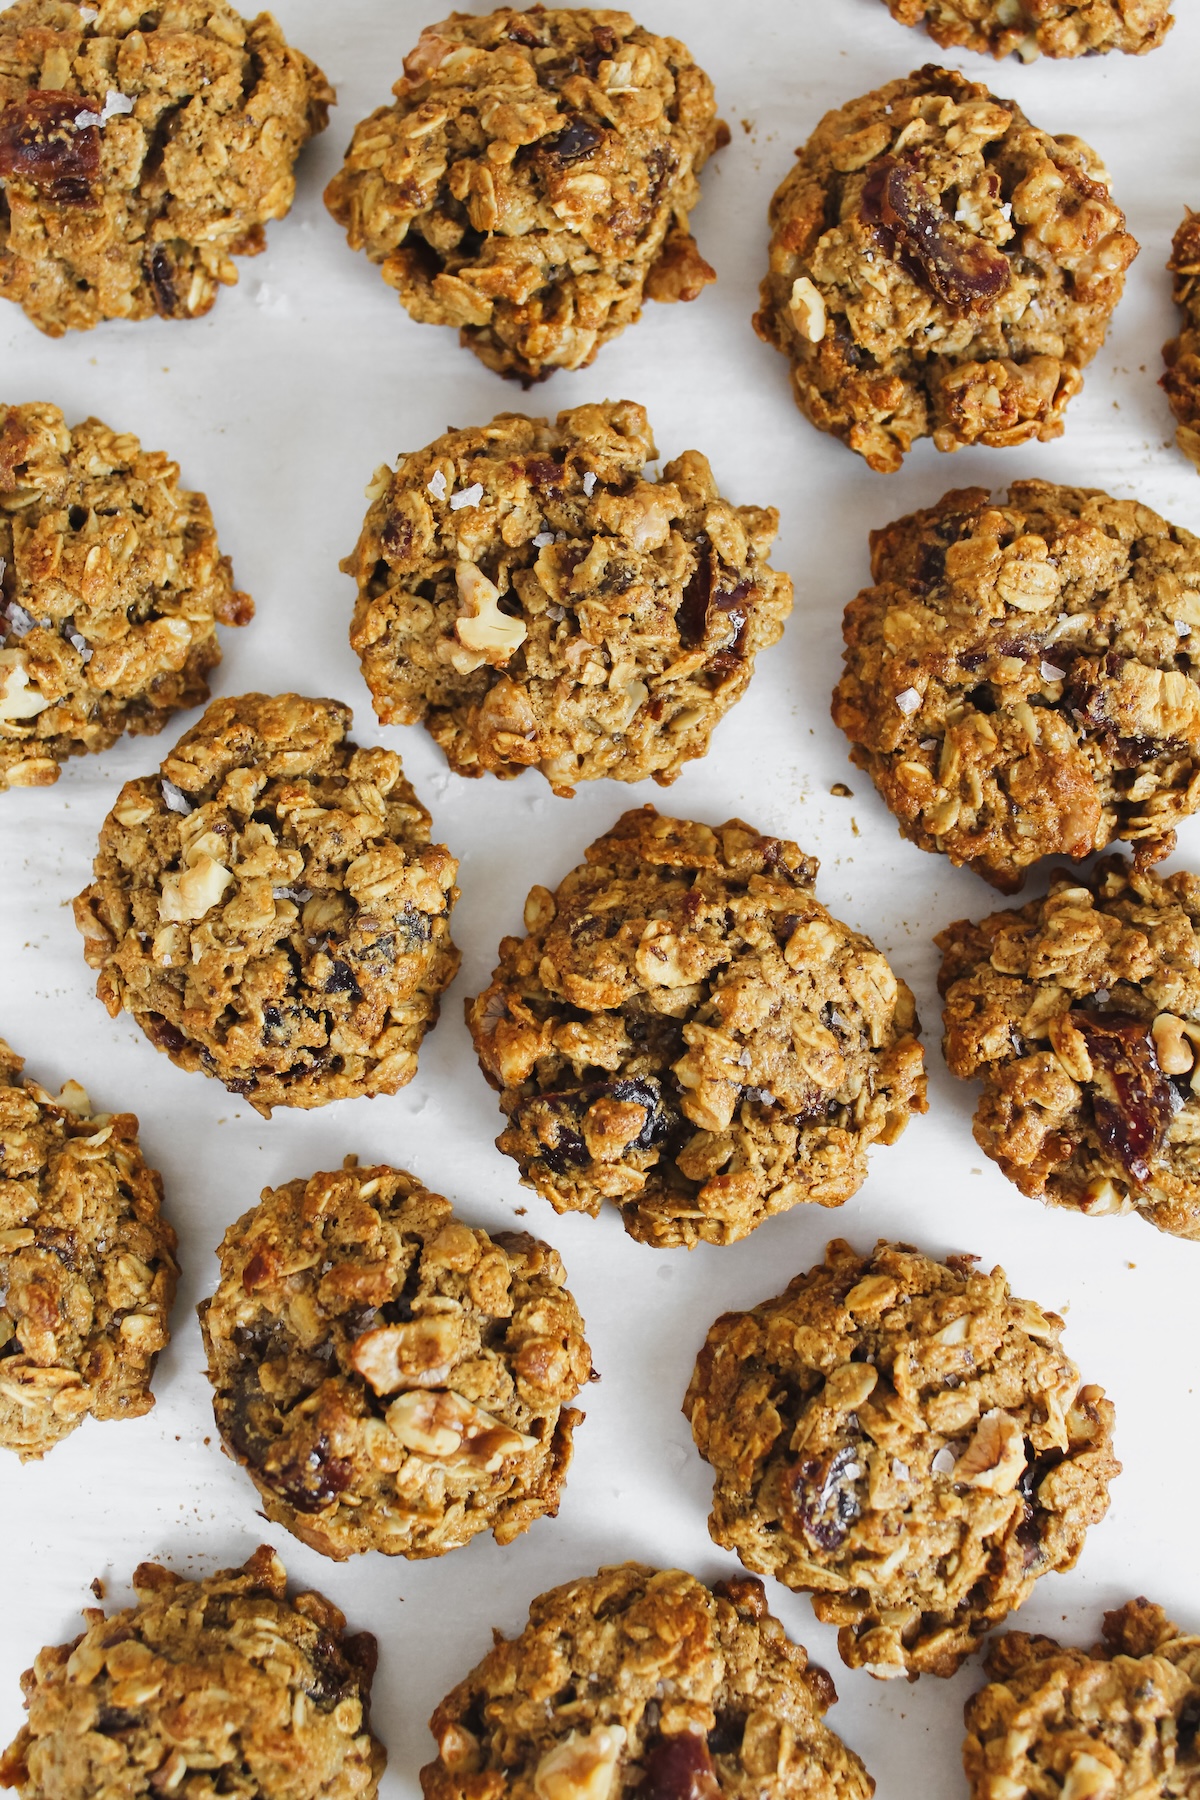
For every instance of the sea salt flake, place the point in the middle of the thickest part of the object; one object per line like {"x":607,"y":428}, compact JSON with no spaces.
{"x":1051,"y":671}
{"x":175,"y":798}
{"x":543,"y":538}
{"x":909,"y":701}
{"x":943,"y":1462}
{"x":468,"y":497}
{"x":114,"y":103}
{"x":291,"y":893}
{"x":437,"y":485}
{"x":1006,"y":210}
{"x":19,"y":621}
{"x":1183,"y":628}
{"x":852,"y":1471}
{"x":589,"y":483}
{"x":88,"y":13}
{"x":927,"y":744}
{"x":1102,"y":995}
{"x":900,"y":1470}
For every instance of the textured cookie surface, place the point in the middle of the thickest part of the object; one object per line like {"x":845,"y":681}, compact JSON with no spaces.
{"x":1020,"y":682}
{"x":141,"y":150}
{"x":940,"y":268}
{"x":1040,"y":27}
{"x":391,"y":1378}
{"x":269,"y":908}
{"x":1118,"y":1720}
{"x":87,"y":1264}
{"x":524,"y":590}
{"x":1182,"y":354}
{"x":1081,"y":1014}
{"x":687,"y":1033}
{"x":644,"y":1682}
{"x":907,"y":1441}
{"x":111,"y":588}
{"x":221,"y":1686}
{"x":533,"y":180}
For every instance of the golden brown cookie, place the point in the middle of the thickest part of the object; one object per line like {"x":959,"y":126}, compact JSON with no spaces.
{"x":1032,"y":28}
{"x":1181,"y":383}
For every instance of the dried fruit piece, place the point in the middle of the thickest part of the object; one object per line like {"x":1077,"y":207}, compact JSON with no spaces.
{"x":1134,"y":1102}
{"x":41,"y":143}
{"x":965,"y":272}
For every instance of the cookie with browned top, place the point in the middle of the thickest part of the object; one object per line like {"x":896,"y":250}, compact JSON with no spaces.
{"x":269,"y":908}
{"x":1033,"y":28}
{"x":907,"y":1442}
{"x":1181,"y":383}
{"x":940,"y":268}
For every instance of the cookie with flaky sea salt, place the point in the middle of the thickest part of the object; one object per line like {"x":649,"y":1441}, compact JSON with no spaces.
{"x":688,"y":1034}
{"x":532,"y":181}
{"x":269,"y":908}
{"x":644,"y":1682}
{"x":1181,"y":383}
{"x":940,"y":267}
{"x":87,"y":1264}
{"x":390,"y":1378}
{"x":1032,"y":28}
{"x":141,"y":150}
{"x":907,"y":1442}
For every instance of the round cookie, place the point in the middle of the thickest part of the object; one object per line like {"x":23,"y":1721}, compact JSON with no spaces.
{"x":390,"y":1378}
{"x":1040,"y":27}
{"x":111,"y":587}
{"x":905,"y":1440}
{"x":1020,"y":682}
{"x":1181,"y":383}
{"x":141,"y":150}
{"x":87,"y":1264}
{"x":221,"y":1686}
{"x":940,"y":268}
{"x":529,"y":595}
{"x":687,"y":1033}
{"x":269,"y":908}
{"x":641,"y":1681}
{"x":533,"y":180}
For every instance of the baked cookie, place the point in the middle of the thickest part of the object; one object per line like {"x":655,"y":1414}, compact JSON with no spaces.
{"x":221,"y":1686}
{"x":269,"y":908}
{"x":140,"y":152}
{"x":904,"y":1440}
{"x":87,"y":1264}
{"x":1181,"y":383}
{"x":641,"y":1681}
{"x":1040,"y":27}
{"x":940,"y":268}
{"x":111,"y":587}
{"x":1021,"y":680}
{"x":533,"y":180}
{"x":1118,"y":1720}
{"x":390,"y":1378}
{"x":687,"y":1033}
{"x":529,"y":595}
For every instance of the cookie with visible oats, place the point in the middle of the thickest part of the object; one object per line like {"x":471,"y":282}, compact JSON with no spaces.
{"x":1031,"y":28}
{"x":269,"y":908}
{"x":1181,"y":383}
{"x":390,"y":1378}
{"x":641,"y":1681}
{"x":220,"y":1686}
{"x":689,"y":1035}
{"x":907,"y":1442}
{"x":940,"y":268}
{"x":87,"y":1264}
{"x":142,"y":148}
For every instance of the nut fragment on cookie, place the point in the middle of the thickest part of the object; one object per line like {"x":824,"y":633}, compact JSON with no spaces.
{"x":662,"y":1688}
{"x":269,"y":908}
{"x":199,"y":1681}
{"x":577,"y":617}
{"x":1032,"y":28}
{"x":532,"y":181}
{"x":389,"y":1377}
{"x":940,"y":267}
{"x":906,"y":1441}
{"x":687,"y":1034}
{"x":1181,"y":382}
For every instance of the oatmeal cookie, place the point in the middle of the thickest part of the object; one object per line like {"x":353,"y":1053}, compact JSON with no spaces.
{"x":1181,"y":383}
{"x":221,"y":1686}
{"x":87,"y":1264}
{"x":1118,"y":1720}
{"x":392,"y":1379}
{"x":645,"y":1682}
{"x":904,"y":1440}
{"x":111,"y":587}
{"x":1021,"y":680}
{"x":269,"y":908}
{"x":687,"y":1033}
{"x":940,"y":268}
{"x":525,"y":591}
{"x":533,"y":180}
{"x":1040,"y":27}
{"x":141,"y":150}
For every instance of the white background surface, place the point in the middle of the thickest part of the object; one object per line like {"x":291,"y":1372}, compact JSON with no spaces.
{"x":279,"y":405}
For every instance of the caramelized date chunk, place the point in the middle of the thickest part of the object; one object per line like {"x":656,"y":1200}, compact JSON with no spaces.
{"x":679,"y":1768}
{"x":41,"y":143}
{"x":951,"y":263}
{"x":575,"y":144}
{"x":1134,"y":1102}
{"x":822,"y":1498}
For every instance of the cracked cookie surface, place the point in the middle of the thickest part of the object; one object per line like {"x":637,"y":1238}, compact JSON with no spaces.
{"x":641,"y":1681}
{"x":908,"y":1442}
{"x":1040,"y":27}
{"x":141,"y":150}
{"x":687,"y":1033}
{"x":940,"y":268}
{"x":391,"y":1378}
{"x":529,"y":595}
{"x":87,"y":1264}
{"x":220,"y":1686}
{"x":269,"y":908}
{"x":112,"y":584}
{"x":532,"y":181}
{"x":1181,"y":383}
{"x":1020,"y":682}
